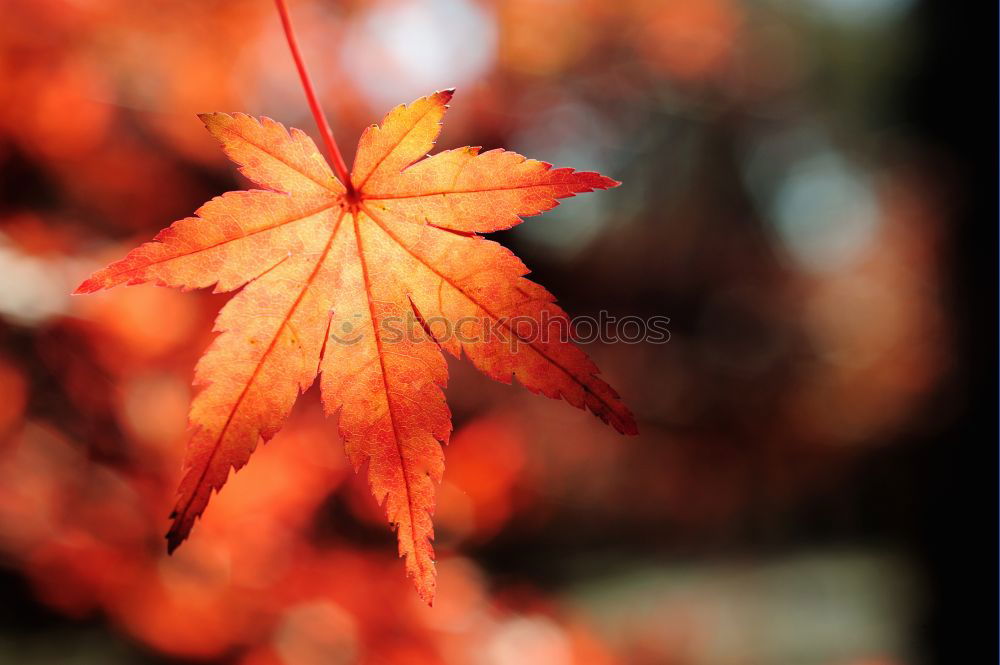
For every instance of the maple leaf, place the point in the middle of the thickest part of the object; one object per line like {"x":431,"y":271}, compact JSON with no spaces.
{"x":327,"y":274}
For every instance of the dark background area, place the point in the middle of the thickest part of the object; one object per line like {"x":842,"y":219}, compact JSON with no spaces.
{"x":960,"y":453}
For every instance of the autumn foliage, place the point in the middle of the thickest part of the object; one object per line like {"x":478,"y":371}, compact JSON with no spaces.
{"x":314,"y":255}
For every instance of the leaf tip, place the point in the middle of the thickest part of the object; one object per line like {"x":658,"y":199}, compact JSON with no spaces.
{"x":88,"y":285}
{"x":173,"y":542}
{"x":604,"y":182}
{"x":426,"y":589}
{"x":212,"y":119}
{"x":623,"y":421}
{"x":177,"y":533}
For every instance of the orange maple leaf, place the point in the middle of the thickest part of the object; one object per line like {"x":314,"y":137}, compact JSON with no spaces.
{"x":330,"y":275}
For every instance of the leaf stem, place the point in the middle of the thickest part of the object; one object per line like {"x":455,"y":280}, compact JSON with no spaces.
{"x":324,"y":127}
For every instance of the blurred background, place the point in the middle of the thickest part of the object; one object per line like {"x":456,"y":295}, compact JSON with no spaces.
{"x":799,"y":197}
